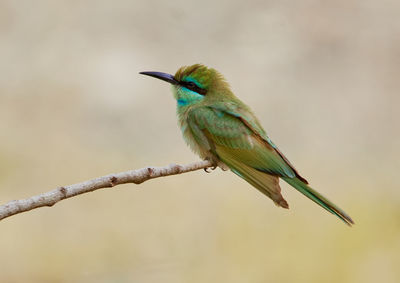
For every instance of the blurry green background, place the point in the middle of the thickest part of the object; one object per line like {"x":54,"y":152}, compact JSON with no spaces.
{"x":322,"y":76}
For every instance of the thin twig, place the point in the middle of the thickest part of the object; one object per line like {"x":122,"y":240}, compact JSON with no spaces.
{"x":134,"y":176}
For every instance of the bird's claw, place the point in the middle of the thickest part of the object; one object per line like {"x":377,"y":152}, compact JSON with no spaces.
{"x":212,"y":169}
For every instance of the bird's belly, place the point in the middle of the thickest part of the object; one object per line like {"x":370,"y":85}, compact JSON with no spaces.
{"x":203,"y":150}
{"x":191,"y":141}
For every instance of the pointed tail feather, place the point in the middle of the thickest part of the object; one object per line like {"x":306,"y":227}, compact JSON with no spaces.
{"x":319,"y":199}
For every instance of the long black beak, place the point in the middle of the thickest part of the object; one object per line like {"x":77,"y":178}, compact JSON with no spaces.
{"x":162,"y":76}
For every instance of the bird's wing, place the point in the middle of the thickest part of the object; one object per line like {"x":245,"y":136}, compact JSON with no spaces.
{"x":241,"y":149}
{"x":243,"y":113}
{"x":230,"y":135}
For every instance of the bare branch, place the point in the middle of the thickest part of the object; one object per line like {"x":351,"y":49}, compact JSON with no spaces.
{"x":134,"y":176}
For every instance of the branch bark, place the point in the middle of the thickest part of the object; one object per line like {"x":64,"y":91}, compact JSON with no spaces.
{"x":134,"y":176}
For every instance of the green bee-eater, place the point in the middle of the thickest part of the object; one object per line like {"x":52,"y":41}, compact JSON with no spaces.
{"x":219,"y":127}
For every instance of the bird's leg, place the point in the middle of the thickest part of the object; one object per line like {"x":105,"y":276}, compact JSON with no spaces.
{"x":213,"y":167}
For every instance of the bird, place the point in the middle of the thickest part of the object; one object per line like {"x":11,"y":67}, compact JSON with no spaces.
{"x":220,"y":128}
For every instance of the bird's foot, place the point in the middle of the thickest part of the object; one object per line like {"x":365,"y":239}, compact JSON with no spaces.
{"x":208,"y":168}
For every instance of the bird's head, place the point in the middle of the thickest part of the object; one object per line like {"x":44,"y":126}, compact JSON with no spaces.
{"x":195,"y":84}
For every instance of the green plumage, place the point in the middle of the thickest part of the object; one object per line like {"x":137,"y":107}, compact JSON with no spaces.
{"x":221,"y":128}
{"x":319,"y":199}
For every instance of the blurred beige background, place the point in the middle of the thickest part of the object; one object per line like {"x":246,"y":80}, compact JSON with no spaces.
{"x":322,"y":76}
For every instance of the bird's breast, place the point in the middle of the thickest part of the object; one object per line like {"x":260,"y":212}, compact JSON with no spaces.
{"x":192,"y":140}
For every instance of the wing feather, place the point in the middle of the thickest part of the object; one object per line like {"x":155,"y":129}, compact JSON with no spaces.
{"x":247,"y":146}
{"x":242,"y":112}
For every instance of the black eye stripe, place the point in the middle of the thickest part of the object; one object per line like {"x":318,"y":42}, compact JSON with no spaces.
{"x":194,"y":87}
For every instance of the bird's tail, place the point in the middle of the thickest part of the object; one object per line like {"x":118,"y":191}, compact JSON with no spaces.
{"x":319,"y":199}
{"x":265,"y":183}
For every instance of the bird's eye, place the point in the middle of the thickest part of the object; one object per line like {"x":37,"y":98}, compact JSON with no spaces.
{"x":191,"y":84}
{"x":194,"y":87}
